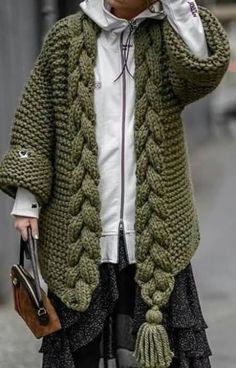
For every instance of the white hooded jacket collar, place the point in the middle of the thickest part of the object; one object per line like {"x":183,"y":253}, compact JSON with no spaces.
{"x":99,"y":12}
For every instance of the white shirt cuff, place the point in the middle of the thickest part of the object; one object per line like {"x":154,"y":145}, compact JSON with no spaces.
{"x":25,"y":204}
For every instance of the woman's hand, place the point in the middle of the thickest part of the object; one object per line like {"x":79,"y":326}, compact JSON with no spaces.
{"x":21,"y":224}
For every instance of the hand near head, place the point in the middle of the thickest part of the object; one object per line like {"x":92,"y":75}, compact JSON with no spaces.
{"x":21,"y":223}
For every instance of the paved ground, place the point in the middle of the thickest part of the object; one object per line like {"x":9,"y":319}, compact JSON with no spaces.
{"x":214,"y":170}
{"x":18,"y":348}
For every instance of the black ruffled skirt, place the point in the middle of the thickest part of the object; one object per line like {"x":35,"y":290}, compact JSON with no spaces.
{"x":104,"y":335}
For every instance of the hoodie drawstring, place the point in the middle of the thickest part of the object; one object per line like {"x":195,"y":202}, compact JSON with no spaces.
{"x":125,"y":50}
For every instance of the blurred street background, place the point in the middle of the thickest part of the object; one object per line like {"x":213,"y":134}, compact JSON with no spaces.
{"x":211,"y":134}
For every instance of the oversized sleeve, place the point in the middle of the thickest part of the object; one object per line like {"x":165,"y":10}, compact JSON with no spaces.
{"x":29,"y":160}
{"x":193,"y":77}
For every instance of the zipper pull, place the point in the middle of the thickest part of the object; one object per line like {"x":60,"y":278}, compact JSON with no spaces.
{"x":122,"y":235}
{"x":121,"y":227}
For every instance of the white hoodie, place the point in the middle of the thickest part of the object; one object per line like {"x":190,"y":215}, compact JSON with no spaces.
{"x":114,"y":97}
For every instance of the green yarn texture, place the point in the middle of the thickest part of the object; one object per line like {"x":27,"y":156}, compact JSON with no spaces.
{"x":55,"y":123}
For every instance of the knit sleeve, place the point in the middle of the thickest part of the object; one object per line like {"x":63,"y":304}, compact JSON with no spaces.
{"x":29,"y":159}
{"x":193,"y":77}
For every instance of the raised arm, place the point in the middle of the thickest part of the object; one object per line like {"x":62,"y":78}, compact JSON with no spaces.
{"x":195,"y":76}
{"x":184,"y":18}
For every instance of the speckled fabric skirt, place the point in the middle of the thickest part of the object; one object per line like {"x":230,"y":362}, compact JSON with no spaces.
{"x":104,"y":335}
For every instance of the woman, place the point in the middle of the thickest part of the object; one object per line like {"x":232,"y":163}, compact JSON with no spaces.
{"x":98,"y":147}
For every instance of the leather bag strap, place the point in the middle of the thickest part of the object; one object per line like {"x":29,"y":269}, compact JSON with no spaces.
{"x":29,"y":249}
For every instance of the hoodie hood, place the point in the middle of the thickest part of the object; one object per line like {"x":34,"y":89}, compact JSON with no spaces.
{"x":99,"y":12}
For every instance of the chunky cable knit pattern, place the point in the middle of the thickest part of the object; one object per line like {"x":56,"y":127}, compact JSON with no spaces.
{"x":55,"y":120}
{"x":84,"y":227}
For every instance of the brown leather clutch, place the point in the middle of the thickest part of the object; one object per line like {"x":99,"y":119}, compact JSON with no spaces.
{"x":30,"y":300}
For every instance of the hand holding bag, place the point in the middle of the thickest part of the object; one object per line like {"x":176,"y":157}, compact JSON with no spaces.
{"x":30,"y":300}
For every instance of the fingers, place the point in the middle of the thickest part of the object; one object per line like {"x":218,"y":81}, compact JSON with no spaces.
{"x":24,"y":233}
{"x":21,"y":224}
{"x":34,"y":227}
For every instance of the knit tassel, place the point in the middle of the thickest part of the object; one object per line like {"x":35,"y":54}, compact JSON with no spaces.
{"x":152,"y":349}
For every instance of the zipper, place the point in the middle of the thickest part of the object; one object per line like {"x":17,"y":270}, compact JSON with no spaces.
{"x":121,"y":228}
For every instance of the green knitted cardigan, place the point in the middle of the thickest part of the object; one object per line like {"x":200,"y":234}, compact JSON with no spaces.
{"x":53,"y":153}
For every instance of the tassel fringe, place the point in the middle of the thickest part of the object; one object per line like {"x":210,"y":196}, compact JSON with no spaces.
{"x":152,"y":349}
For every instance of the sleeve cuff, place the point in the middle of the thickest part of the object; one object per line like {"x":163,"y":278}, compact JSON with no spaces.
{"x":25,"y":204}
{"x":185,"y":20}
{"x":201,"y":71}
{"x":24,"y":167}
{"x":25,"y":213}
